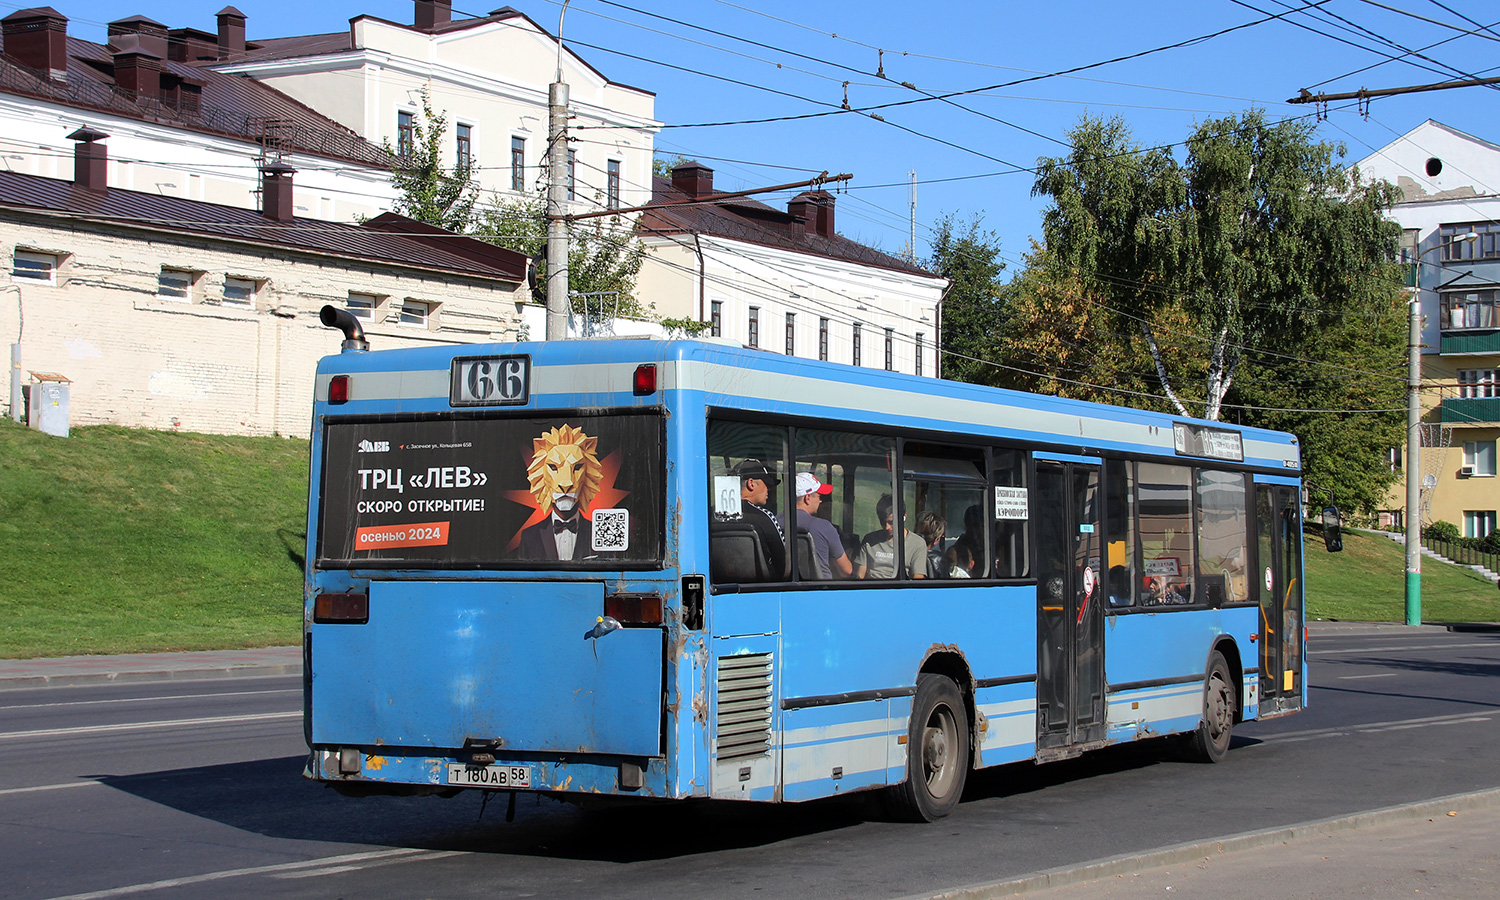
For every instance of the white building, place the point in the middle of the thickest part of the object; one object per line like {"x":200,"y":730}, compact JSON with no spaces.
{"x":489,"y":76}
{"x":785,"y":280}
{"x":1450,"y":185}
{"x":176,"y":129}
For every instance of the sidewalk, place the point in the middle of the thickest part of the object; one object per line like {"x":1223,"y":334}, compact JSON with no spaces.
{"x":1443,"y":848}
{"x":62,"y":671}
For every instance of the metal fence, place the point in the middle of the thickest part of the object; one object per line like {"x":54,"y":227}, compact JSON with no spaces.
{"x":1463,"y":555}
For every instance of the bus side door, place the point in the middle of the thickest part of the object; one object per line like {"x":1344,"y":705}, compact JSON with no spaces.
{"x":1279,"y":544}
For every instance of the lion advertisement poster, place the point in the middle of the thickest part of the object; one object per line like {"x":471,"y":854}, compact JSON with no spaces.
{"x":473,"y":493}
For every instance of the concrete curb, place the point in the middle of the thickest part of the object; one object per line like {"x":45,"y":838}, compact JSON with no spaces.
{"x":1130,"y":863}
{"x":21,"y":682}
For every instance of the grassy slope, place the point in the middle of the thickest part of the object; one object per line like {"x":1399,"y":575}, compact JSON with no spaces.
{"x":123,"y":540}
{"x":1367,"y":583}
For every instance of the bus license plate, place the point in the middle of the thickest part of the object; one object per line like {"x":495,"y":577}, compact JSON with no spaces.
{"x":489,"y":776}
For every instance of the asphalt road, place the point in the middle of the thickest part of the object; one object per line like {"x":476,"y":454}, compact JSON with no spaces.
{"x":174,"y":790}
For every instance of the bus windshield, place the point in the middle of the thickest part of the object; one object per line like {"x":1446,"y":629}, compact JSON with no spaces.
{"x":574,"y":491}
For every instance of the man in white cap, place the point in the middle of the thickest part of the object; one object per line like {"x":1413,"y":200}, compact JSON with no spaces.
{"x":828,"y":547}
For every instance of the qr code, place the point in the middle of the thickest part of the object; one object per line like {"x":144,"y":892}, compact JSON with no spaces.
{"x":611,"y":530}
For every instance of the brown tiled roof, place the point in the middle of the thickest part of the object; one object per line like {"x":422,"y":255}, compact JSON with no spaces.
{"x":388,"y":238}
{"x":742,"y":219}
{"x":230,"y":105}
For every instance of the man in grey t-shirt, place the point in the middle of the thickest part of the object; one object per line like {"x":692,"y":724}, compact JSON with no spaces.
{"x":877,"y":553}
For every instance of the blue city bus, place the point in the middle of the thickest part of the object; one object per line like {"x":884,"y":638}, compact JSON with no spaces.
{"x":571,"y":568}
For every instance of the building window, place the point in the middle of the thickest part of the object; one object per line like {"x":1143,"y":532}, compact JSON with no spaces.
{"x":239,"y":291}
{"x":1478,"y":523}
{"x":406,"y":134}
{"x":716,"y":318}
{"x":1393,"y":458}
{"x":1477,"y":384}
{"x":1486,"y":247}
{"x":416,"y":314}
{"x":857,"y":334}
{"x":791,"y":334}
{"x":822,"y":339}
{"x":612,"y":189}
{"x":518,"y":164}
{"x":465,"y":137}
{"x":176,"y":284}
{"x":1469,"y":309}
{"x":754,"y":326}
{"x":362,"y":306}
{"x":572,"y":175}
{"x":920,"y":337}
{"x":1479,"y":459}
{"x":890,"y":349}
{"x":29,"y":265}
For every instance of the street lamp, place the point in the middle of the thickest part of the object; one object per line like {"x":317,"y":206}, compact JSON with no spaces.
{"x":1414,"y":440}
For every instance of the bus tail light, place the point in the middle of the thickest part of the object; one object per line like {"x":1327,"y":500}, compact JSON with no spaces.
{"x":634,"y":609}
{"x":338,"y":389}
{"x":341,"y":609}
{"x":644,"y":381}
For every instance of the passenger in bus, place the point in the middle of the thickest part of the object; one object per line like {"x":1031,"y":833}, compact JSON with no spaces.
{"x":960,"y":561}
{"x":877,"y":552}
{"x":756,"y":481}
{"x":932,"y":527}
{"x":828,"y":547}
{"x":973,"y":536}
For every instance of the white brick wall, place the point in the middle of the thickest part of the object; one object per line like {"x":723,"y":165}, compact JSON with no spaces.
{"x":142,"y":360}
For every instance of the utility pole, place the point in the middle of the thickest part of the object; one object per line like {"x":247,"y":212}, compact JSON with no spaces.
{"x":557,"y":197}
{"x":911,"y":241}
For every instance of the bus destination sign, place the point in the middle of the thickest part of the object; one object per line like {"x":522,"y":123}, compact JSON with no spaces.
{"x":1208,"y":443}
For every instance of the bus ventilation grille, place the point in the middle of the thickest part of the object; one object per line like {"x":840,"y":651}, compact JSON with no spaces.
{"x":744,"y":722}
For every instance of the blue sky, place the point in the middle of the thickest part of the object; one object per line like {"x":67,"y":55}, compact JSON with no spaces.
{"x":969,"y":155}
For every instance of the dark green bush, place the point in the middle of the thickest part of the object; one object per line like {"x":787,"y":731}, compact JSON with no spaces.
{"x":1441,"y":531}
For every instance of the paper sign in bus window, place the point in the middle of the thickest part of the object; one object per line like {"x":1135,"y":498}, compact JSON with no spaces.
{"x":726,"y":497}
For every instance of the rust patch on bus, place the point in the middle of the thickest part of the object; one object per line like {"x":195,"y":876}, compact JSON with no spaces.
{"x":375,"y":763}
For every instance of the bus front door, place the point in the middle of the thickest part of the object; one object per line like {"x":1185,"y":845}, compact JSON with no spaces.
{"x":1070,"y":624}
{"x":1278,"y":514}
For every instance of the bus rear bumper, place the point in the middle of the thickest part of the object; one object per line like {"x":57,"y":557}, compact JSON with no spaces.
{"x":415,"y":772}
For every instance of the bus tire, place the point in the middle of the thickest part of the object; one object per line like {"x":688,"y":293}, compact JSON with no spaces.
{"x":1210,"y":742}
{"x":937,"y":753}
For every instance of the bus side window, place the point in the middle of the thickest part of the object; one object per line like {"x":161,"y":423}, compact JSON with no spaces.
{"x":855,"y":468}
{"x":1123,"y":570}
{"x":747,"y":484}
{"x":1012,"y":499}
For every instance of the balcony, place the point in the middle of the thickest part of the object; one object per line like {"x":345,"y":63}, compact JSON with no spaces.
{"x":1469,"y":340}
{"x":1471,"y":411}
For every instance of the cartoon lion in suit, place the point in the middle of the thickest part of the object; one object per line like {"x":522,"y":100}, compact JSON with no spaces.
{"x":564,"y":477}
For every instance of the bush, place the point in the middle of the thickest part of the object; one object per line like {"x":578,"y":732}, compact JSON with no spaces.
{"x":1441,"y":531}
{"x":1491,"y":542}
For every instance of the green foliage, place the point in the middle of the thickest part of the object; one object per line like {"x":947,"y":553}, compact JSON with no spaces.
{"x":974,"y":305}
{"x":1441,"y":531}
{"x":430,"y":191}
{"x":1253,"y":280}
{"x":604,"y":259}
{"x":663,"y":166}
{"x":122,"y":540}
{"x":685,"y":327}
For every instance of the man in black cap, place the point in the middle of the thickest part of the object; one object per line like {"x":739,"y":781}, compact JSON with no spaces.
{"x":756,"y":481}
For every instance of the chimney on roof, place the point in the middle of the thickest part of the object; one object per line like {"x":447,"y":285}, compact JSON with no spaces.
{"x":231,"y":32}
{"x":432,"y":13}
{"x":151,"y":34}
{"x":90,"y":159}
{"x":815,"y":209}
{"x":276,"y":191}
{"x":137,"y":70}
{"x":693,"y":179}
{"x":190,"y":45}
{"x":38,"y":39}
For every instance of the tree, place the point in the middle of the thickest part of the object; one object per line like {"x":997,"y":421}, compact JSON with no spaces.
{"x":604,"y":258}
{"x":1255,"y":280}
{"x":430,"y":191}
{"x":969,"y":257}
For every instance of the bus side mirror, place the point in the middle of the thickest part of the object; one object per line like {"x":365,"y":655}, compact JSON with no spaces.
{"x":1333,"y":525}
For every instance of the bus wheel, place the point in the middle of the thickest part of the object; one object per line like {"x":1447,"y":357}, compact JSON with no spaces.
{"x":1210,"y":743}
{"x":937,"y":753}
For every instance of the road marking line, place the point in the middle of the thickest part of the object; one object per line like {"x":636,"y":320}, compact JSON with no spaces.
{"x":374,"y":857}
{"x":1377,"y":675}
{"x":372,"y":864}
{"x":1404,"y":647}
{"x":145,"y":699}
{"x":136,"y":726}
{"x":1371,"y":727}
{"x":49,"y":787}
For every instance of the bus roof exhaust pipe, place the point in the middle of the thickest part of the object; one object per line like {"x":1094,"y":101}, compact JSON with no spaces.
{"x":354,"y":333}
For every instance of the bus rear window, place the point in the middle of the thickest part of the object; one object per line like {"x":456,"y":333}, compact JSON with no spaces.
{"x":581,"y":491}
